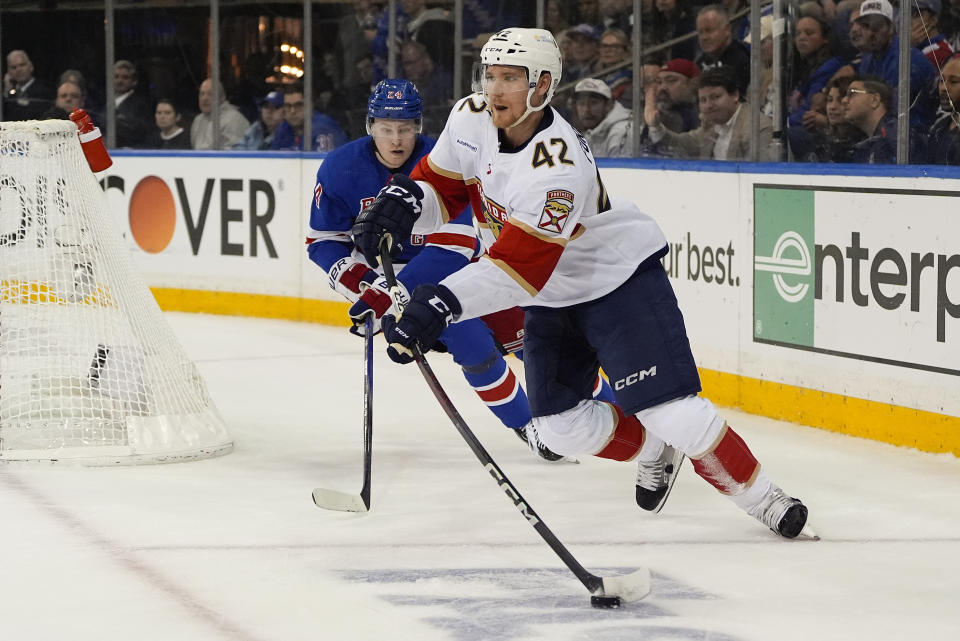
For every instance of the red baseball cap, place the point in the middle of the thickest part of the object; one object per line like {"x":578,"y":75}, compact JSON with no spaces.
{"x":682,"y":66}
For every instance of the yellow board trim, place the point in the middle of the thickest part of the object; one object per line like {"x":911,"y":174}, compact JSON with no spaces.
{"x":260,"y":305}
{"x":874,"y":420}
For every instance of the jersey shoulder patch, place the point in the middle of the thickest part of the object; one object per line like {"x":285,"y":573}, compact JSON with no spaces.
{"x":556,"y":210}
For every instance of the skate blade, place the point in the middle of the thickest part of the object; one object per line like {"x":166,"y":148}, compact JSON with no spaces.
{"x":559,"y":461}
{"x":808,"y":533}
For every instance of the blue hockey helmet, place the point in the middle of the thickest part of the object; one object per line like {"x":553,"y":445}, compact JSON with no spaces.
{"x":395,"y":99}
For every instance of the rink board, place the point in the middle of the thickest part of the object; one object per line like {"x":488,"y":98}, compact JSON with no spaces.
{"x":829,"y":299}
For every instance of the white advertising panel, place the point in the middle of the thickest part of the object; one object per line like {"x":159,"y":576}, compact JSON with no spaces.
{"x":845,"y":284}
{"x":215,"y":223}
{"x":705,"y":262}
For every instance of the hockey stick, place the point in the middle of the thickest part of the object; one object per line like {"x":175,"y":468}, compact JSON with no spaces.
{"x":629,"y":587}
{"x":344,"y":501}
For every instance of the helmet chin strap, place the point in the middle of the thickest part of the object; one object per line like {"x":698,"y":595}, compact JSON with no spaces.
{"x":529,"y":110}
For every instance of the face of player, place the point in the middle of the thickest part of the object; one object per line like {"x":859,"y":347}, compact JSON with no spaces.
{"x":716,"y":105}
{"x":834,"y":106}
{"x":591,"y":108}
{"x":69,"y":97}
{"x":165,"y":116}
{"x":395,"y":140}
{"x":950,"y":86}
{"x":809,"y":36}
{"x":506,"y":90}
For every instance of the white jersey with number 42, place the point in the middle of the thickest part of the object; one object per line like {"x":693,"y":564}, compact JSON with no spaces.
{"x":552,"y":234}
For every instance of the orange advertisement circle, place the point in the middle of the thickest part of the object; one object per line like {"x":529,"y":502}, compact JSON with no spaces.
{"x":153,"y":214}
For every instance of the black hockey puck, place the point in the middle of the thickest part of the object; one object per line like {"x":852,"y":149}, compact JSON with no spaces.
{"x":605,"y":601}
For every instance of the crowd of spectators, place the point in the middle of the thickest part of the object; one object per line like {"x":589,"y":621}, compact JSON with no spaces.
{"x":839,"y":85}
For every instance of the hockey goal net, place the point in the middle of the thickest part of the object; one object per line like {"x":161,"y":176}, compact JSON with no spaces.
{"x":89,"y":369}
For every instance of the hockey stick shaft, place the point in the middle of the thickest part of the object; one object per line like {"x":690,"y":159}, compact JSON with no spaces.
{"x":593,"y":583}
{"x":367,"y":409}
{"x":343,"y":501}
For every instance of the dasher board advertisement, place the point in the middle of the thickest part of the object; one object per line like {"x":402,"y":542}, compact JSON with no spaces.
{"x":868,"y":274}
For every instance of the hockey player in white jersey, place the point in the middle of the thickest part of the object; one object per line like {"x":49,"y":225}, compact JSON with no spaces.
{"x":586,"y":268}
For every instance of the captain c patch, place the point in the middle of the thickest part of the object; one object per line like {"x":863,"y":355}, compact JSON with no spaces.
{"x":556,"y":210}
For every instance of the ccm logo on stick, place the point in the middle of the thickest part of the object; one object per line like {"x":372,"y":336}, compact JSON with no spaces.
{"x":636,"y":377}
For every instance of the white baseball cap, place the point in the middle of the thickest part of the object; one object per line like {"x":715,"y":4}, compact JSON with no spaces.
{"x":593,"y":85}
{"x":876,"y":8}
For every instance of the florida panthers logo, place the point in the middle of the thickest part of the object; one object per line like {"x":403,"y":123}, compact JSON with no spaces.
{"x":556,"y":210}
{"x":494,"y":215}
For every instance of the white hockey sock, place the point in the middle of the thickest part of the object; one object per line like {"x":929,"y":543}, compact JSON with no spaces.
{"x":652,"y":448}
{"x":750,"y":499}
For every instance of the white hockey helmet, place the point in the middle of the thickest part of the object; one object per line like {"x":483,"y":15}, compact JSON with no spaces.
{"x":533,"y":49}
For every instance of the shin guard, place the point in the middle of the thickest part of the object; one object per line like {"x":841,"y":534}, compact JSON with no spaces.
{"x":626,"y":439}
{"x":728,"y":465}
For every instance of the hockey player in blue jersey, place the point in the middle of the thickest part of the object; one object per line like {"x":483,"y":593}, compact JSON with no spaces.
{"x":347,"y":181}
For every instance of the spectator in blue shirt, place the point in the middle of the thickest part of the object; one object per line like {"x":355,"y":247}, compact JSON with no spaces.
{"x":881,"y":58}
{"x":260,"y":134}
{"x":867,"y":107}
{"x":325,"y":131}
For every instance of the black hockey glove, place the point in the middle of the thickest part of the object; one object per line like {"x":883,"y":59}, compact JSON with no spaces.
{"x":393,"y":212}
{"x":430,"y":310}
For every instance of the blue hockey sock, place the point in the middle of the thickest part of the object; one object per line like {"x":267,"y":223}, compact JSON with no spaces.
{"x":499,"y":389}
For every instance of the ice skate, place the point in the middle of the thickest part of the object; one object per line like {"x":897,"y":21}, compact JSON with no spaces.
{"x":784,"y":515}
{"x":655,"y":478}
{"x":537,"y":446}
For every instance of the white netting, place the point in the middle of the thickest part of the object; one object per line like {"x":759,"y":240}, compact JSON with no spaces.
{"x":89,"y":368}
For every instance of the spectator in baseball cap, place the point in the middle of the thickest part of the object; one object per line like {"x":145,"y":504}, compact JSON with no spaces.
{"x":925,"y":32}
{"x":881,"y":58}
{"x":676,"y":95}
{"x":725,"y":123}
{"x":605,"y":123}
{"x":260,"y":134}
{"x":583,"y":52}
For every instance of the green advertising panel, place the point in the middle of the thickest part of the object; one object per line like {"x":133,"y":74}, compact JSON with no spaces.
{"x":783,"y":275}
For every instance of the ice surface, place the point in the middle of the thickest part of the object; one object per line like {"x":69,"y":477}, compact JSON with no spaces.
{"x":233,"y":548}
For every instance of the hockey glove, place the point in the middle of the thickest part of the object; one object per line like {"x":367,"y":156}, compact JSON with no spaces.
{"x":349,"y":277}
{"x":430,"y":310}
{"x":376,"y":301}
{"x":393,"y":212}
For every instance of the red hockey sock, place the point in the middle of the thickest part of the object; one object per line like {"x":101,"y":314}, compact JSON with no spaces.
{"x":627,"y":437}
{"x":729,"y":466}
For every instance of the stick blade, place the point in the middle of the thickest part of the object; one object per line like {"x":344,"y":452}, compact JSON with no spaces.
{"x":629,"y":587}
{"x":339,"y":501}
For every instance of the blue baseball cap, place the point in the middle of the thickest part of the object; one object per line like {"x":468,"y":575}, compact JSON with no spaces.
{"x":933,"y":6}
{"x":586,"y":30}
{"x":274,"y":98}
